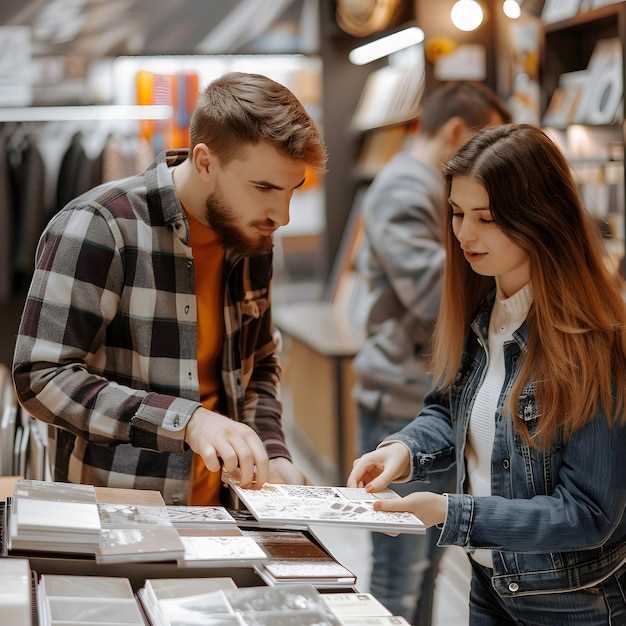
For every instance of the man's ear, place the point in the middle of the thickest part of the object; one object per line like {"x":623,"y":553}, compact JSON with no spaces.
{"x":455,"y":129}
{"x":204,"y":162}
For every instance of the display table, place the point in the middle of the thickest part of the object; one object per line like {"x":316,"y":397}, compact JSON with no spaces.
{"x":7,"y":483}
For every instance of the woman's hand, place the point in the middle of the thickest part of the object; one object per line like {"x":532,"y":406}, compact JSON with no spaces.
{"x":430,"y":507}
{"x":376,"y":469}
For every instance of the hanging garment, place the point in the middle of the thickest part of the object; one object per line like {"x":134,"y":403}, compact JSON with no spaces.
{"x":29,"y":206}
{"x":75,"y":174}
{"x":6,"y":225}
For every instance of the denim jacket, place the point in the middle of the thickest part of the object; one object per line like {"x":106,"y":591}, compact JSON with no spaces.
{"x":555,"y":520}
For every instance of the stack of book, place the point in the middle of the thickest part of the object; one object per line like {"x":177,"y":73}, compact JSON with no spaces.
{"x":255,"y":606}
{"x":16,"y":596}
{"x":337,"y":506}
{"x":87,"y":600}
{"x":135,"y":527}
{"x":295,"y":559}
{"x":54,"y":517}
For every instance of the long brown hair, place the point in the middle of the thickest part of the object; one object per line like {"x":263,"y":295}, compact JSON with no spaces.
{"x":576,"y":352}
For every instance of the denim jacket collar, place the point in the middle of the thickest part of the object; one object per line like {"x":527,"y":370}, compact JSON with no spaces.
{"x":480,"y":323}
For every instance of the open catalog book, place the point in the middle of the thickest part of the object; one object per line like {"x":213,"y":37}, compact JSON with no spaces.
{"x":336,"y":506}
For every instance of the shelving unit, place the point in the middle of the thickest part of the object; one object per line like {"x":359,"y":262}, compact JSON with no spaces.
{"x":581,"y":20}
{"x":568,"y":47}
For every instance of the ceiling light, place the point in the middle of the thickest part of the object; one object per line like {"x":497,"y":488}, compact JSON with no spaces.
{"x":512,"y":9}
{"x":386,"y":45}
{"x":467,"y":15}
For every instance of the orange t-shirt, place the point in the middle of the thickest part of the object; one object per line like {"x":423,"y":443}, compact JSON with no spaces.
{"x":208,"y":253}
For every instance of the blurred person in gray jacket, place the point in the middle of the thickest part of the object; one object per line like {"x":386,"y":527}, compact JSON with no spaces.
{"x":402,"y":261}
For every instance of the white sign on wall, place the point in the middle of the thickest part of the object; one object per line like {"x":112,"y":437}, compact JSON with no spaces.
{"x":15,"y":66}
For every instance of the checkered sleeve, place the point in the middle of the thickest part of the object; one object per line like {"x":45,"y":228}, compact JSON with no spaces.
{"x":262,"y":409}
{"x":74,"y":296}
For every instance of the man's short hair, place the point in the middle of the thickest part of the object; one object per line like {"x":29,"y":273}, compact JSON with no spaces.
{"x":474,"y":103}
{"x":239,"y":109}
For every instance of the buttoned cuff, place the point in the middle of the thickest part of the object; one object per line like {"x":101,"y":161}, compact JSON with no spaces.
{"x":459,"y":518}
{"x":160,"y":422}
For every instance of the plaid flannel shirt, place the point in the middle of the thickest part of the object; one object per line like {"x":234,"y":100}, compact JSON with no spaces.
{"x":106,"y":351}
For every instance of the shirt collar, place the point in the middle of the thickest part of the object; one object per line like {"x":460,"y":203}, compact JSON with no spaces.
{"x":161,"y":194}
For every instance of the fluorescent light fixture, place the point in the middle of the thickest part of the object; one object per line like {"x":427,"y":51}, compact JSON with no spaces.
{"x":512,"y":9}
{"x":89,"y":113}
{"x":467,"y":15}
{"x":386,"y":45}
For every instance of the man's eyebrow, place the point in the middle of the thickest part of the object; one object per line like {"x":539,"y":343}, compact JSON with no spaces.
{"x":480,"y":208}
{"x":268,"y":185}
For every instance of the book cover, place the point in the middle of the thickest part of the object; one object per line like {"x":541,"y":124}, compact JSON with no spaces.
{"x":201,"y":551}
{"x":172,"y":588}
{"x":287,"y":545}
{"x":132,"y":516}
{"x":323,"y":505}
{"x":86,"y":586}
{"x":355,"y":605}
{"x":93,"y":611}
{"x":69,"y":519}
{"x":199,"y":515}
{"x":139,"y":544}
{"x":297,"y":570}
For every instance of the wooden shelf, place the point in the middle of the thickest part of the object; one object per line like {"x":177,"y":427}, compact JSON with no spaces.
{"x":586,"y":18}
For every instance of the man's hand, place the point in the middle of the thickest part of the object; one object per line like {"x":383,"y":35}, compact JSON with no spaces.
{"x":376,"y":469}
{"x":214,"y":436}
{"x":430,"y":507}
{"x":285,"y":472}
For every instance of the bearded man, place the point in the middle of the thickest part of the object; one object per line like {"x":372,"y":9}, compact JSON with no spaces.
{"x":146,"y":340}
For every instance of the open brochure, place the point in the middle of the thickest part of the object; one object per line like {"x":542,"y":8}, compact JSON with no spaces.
{"x":336,"y":506}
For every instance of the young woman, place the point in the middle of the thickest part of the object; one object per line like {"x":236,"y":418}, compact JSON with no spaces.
{"x":529,"y":360}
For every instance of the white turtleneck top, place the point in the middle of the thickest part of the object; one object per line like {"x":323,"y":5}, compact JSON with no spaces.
{"x":507,"y":316}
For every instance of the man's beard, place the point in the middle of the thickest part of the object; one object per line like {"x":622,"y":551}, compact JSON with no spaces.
{"x":222,"y":220}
